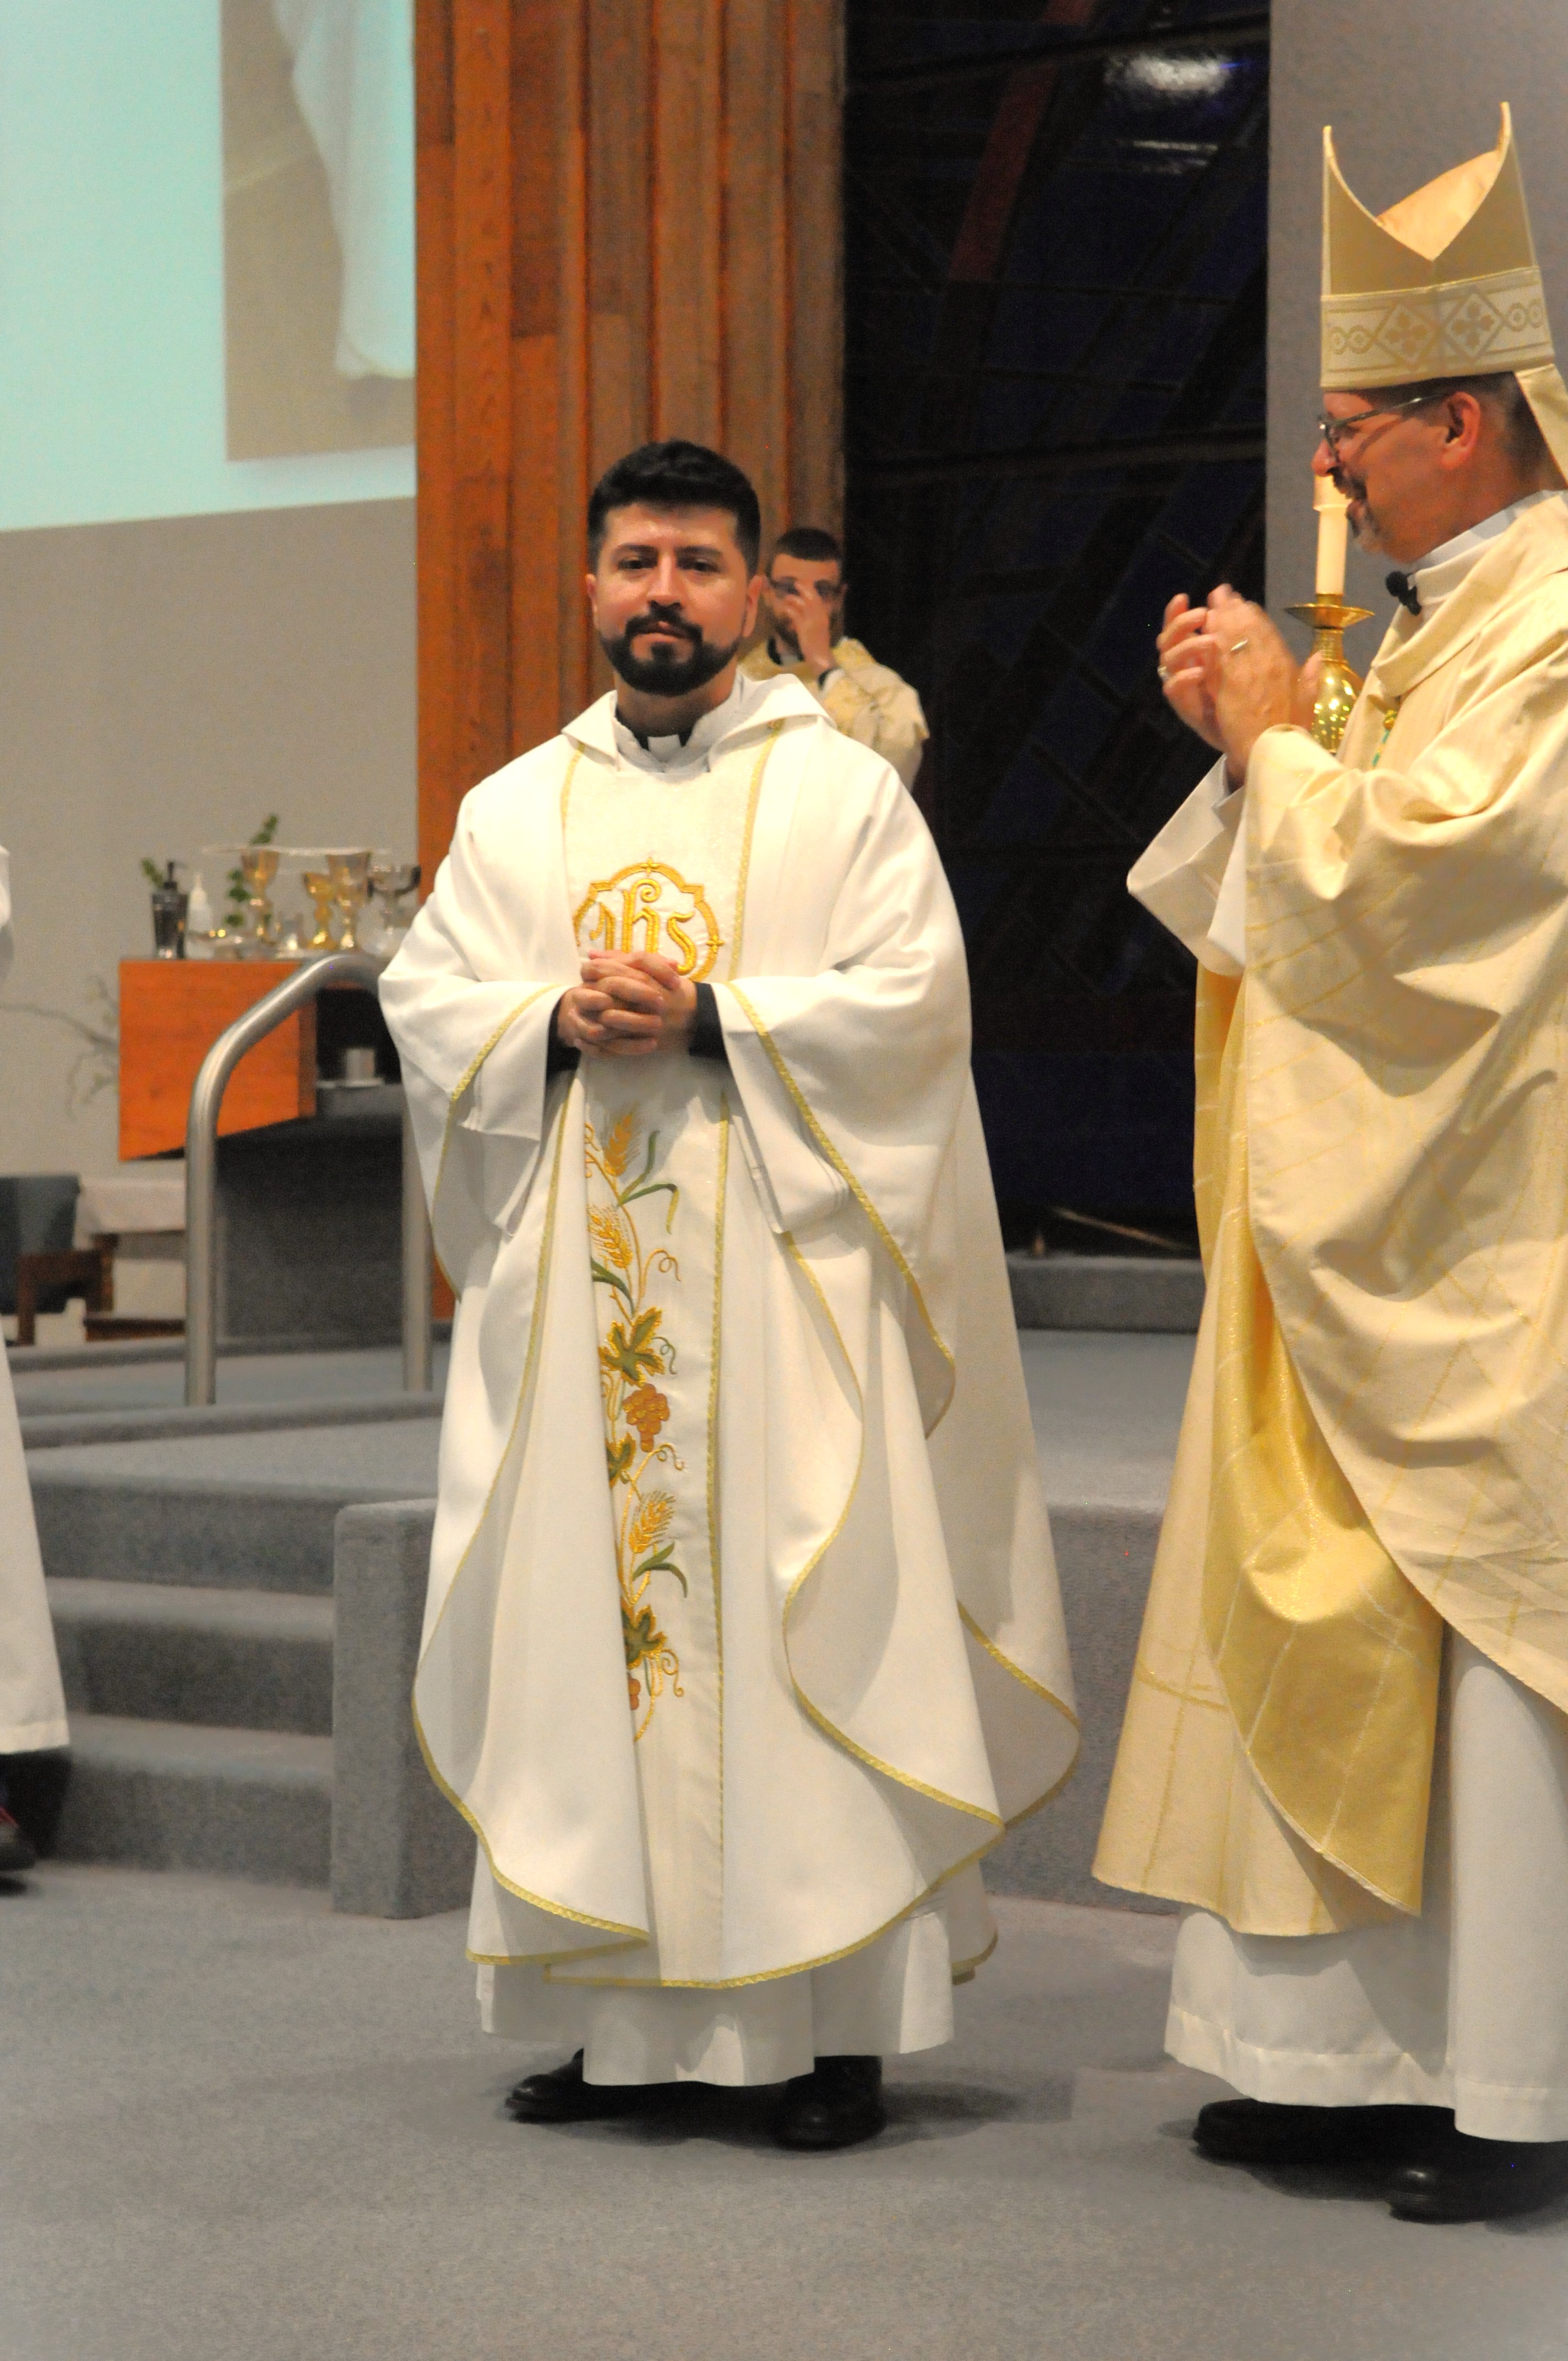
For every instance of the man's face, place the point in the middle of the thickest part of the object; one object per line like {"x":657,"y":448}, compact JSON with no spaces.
{"x":673,"y":597}
{"x":1390,"y":470}
{"x":815,"y":579}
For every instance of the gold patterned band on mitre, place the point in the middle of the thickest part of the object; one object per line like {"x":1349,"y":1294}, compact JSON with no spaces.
{"x":1469,"y":327}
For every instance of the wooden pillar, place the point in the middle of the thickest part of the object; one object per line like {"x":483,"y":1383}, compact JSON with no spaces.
{"x":629,"y":228}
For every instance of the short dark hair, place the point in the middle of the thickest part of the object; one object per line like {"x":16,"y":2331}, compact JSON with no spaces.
{"x":813,"y":543}
{"x":1501,"y":393}
{"x":677,"y":476}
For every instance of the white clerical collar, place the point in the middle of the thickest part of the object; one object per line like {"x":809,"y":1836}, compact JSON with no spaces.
{"x":670,"y":757}
{"x":1442,"y":571}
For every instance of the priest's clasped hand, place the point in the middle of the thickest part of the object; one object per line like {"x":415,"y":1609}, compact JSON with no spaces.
{"x":628,"y":1005}
{"x":1230,"y":677}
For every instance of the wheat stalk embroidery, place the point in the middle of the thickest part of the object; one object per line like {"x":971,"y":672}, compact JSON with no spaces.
{"x":636,"y":1361}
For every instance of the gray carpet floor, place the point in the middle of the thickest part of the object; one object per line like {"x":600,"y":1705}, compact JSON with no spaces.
{"x":240,"y":2129}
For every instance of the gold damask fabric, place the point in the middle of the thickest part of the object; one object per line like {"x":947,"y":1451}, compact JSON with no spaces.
{"x":1380,"y":1450}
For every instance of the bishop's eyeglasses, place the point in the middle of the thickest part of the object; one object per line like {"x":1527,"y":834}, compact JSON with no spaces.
{"x":1333,"y":431}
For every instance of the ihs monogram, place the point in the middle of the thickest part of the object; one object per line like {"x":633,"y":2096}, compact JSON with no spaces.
{"x":649,"y":908}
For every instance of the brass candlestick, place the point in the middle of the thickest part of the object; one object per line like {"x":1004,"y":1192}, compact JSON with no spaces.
{"x":1339,"y":685}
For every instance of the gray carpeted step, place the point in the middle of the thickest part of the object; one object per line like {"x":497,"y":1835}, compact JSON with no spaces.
{"x":250,"y":1659}
{"x":1129,"y":1294}
{"x":162,"y":1794}
{"x":114,"y":1528}
{"x":252,"y":1508}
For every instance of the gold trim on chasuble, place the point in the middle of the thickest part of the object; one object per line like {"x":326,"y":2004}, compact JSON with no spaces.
{"x":1328,"y":1657}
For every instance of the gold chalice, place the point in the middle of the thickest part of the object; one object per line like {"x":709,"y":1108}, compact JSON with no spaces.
{"x":319,"y":886}
{"x":259,"y":867}
{"x":350,"y":876}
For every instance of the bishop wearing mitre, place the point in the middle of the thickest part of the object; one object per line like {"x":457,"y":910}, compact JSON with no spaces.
{"x":743,"y":1641}
{"x":1346,"y":1747}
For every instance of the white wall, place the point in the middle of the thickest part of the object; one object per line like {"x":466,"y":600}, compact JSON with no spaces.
{"x":165,"y":685}
{"x":1411,"y":87}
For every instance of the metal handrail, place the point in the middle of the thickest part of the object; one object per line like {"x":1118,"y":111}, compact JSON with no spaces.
{"x":200,"y":1183}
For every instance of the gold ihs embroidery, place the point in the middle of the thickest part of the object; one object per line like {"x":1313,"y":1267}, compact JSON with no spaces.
{"x":650,"y":908}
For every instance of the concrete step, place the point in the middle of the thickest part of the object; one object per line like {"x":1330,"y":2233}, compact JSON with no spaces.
{"x":163,"y":1794}
{"x":160,"y":1652}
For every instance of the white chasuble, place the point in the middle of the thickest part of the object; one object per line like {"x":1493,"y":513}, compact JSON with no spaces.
{"x":743,"y":1641}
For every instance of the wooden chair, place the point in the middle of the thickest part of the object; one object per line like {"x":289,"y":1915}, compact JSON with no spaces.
{"x":87,"y":1270}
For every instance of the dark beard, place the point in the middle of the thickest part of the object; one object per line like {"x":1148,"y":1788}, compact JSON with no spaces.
{"x":666,"y":673}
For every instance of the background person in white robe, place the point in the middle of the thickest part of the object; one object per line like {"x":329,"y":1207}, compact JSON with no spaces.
{"x":32,"y":1703}
{"x":743,"y":1642}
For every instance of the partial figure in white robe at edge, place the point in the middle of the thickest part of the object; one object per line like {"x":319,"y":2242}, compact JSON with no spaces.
{"x":32,"y":1702}
{"x":743,"y":1642}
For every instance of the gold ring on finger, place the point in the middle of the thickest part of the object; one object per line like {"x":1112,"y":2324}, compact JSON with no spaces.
{"x":1237,"y":645}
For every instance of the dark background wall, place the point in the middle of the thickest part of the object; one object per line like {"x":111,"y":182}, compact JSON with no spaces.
{"x":1056,"y":238}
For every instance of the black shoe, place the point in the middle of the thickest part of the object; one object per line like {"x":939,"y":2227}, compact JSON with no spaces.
{"x":1469,"y":2179}
{"x":1255,"y":2131}
{"x":15,"y":1853}
{"x":562,"y":2097}
{"x":838,"y":2103}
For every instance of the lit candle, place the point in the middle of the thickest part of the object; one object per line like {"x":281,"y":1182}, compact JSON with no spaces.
{"x":1330,"y":504}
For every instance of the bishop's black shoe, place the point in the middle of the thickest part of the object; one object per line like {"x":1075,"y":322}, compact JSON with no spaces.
{"x":838,"y":2103}
{"x":1257,"y":2132}
{"x":1467,"y":2180}
{"x":562,"y":2097}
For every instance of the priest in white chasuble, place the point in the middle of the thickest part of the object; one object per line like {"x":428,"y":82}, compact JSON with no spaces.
{"x":743,"y":1642}
{"x":1347,"y":1746}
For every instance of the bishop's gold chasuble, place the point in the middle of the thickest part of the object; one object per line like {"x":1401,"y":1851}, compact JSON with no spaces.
{"x":743,"y":1640}
{"x":1373,"y":1444}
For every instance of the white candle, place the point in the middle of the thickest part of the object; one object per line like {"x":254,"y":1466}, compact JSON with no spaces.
{"x":1330,"y":504}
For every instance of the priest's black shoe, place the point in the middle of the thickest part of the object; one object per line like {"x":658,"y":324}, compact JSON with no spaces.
{"x":562,"y":2097}
{"x":1467,"y":2180}
{"x":1255,"y":2130}
{"x":838,"y":2103}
